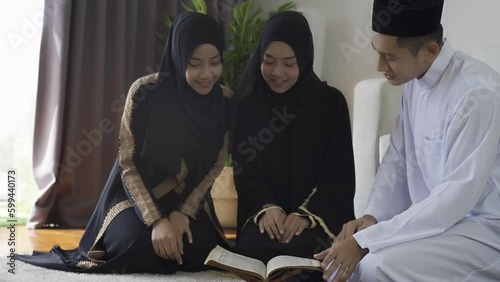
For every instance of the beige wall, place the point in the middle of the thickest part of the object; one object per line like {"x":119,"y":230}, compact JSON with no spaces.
{"x":345,"y":56}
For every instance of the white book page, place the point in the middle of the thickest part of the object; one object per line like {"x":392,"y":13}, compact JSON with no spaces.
{"x":291,"y":262}
{"x":231,"y":259}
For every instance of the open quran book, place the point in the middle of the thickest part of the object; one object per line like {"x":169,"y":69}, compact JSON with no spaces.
{"x":278,"y":268}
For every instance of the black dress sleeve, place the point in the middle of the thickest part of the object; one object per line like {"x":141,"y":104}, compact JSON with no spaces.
{"x":193,"y":201}
{"x":331,"y":202}
{"x":141,"y":190}
{"x":155,"y":193}
{"x":252,"y":184}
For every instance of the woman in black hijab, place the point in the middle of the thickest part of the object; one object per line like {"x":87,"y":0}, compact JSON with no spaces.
{"x":155,"y":213}
{"x":292,"y":148}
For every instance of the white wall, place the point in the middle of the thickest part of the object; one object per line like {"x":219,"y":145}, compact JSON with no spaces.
{"x":471,"y":23}
{"x":346,"y":55}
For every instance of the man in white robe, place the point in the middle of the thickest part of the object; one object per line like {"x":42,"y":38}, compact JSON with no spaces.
{"x":434,"y":209}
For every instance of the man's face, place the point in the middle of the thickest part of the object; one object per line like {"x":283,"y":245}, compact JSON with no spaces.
{"x":398,"y":64}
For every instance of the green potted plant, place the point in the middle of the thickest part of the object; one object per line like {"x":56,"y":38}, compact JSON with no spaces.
{"x":245,"y":31}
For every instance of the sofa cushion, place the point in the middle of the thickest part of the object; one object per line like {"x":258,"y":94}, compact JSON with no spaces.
{"x":383,"y":144}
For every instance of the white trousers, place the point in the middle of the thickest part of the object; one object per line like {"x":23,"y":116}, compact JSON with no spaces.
{"x":469,"y":251}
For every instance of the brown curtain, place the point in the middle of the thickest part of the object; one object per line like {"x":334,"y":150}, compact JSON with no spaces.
{"x":91,"y":52}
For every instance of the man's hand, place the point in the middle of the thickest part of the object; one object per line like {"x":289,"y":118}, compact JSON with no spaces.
{"x":272,"y":223}
{"x":354,"y":226}
{"x":166,"y":242}
{"x":342,"y":257}
{"x":294,"y":225}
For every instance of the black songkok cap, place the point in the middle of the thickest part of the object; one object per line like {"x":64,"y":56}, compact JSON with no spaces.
{"x":407,"y":18}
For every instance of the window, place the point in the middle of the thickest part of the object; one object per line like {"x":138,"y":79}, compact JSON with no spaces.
{"x":20,"y":47}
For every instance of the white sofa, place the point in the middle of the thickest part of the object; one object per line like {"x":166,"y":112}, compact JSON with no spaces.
{"x":376,"y":108}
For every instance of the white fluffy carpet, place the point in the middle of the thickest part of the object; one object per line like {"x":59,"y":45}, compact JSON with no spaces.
{"x":29,"y":273}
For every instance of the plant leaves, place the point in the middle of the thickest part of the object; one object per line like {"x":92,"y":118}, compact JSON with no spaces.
{"x":186,"y":7}
{"x":244,"y":34}
{"x":245,"y":29}
{"x":200,"y":6}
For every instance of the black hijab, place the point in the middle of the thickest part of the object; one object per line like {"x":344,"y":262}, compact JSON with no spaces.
{"x":287,"y":144}
{"x":293,"y":29}
{"x":285,"y":154}
{"x":183,"y":124}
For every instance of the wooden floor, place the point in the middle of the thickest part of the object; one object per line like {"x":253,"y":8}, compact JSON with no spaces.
{"x":28,"y":240}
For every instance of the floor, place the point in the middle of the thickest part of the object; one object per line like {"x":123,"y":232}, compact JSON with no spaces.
{"x":27,"y":240}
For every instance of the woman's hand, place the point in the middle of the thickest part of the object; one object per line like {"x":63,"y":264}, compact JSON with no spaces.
{"x":294,"y":225}
{"x":272,"y":223}
{"x":181,"y":223}
{"x":167,"y":244}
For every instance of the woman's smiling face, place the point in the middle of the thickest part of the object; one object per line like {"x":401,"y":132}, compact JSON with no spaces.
{"x":279,"y":67}
{"x":204,"y":68}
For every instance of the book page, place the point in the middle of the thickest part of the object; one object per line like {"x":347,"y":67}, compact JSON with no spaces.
{"x":282,"y":262}
{"x":234,"y":261}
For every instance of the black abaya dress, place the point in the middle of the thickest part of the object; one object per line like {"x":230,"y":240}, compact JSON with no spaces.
{"x":118,"y":237}
{"x":291,"y":150}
